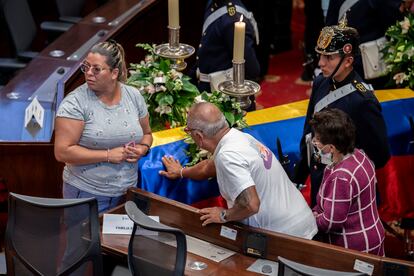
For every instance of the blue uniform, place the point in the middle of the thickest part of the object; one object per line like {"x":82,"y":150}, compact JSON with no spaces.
{"x":365,"y":111}
{"x":215,"y":52}
{"x":371,"y":18}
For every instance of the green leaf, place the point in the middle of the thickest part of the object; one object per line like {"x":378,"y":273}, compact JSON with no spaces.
{"x":229,"y":117}
{"x":189,"y":87}
{"x":164,"y":99}
{"x":164,"y":65}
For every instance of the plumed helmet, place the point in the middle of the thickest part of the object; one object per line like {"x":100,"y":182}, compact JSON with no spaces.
{"x":338,"y":39}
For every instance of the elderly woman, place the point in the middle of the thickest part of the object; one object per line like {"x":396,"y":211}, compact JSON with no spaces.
{"x":102,"y":130}
{"x":346,"y":209}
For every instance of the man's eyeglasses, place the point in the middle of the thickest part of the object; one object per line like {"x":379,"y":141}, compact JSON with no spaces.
{"x":96,"y":70}
{"x":188,"y":130}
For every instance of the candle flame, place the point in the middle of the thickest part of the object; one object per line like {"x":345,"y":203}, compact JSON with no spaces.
{"x":241,"y":18}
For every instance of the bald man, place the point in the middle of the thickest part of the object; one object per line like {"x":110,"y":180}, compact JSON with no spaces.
{"x":251,"y":180}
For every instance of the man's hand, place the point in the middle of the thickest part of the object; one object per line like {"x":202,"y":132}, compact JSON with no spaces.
{"x":211,"y":215}
{"x":173,"y":167}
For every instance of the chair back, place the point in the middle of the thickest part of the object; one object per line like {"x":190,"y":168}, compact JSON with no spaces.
{"x":20,"y":23}
{"x":70,"y":8}
{"x":154,"y":248}
{"x":47,"y":236}
{"x":288,"y":267}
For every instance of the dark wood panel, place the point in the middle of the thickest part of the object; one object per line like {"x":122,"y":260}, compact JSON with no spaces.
{"x":73,"y":39}
{"x":31,"y":170}
{"x":308,"y":252}
{"x":32,"y":77}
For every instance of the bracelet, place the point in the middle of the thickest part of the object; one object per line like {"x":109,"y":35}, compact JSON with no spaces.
{"x":146,"y":145}
{"x":107,"y":155}
{"x":181,"y":172}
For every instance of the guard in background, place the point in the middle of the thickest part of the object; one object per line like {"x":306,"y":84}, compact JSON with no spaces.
{"x":215,"y":52}
{"x":371,"y":19}
{"x":340,"y":86}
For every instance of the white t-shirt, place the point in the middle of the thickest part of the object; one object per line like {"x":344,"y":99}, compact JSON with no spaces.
{"x":241,"y":161}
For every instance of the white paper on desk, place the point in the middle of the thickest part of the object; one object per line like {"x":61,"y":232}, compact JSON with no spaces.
{"x":206,"y":249}
{"x":257,"y":267}
{"x":122,"y":224}
{"x":34,"y":114}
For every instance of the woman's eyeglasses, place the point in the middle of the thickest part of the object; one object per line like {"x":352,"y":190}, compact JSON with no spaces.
{"x":96,"y":70}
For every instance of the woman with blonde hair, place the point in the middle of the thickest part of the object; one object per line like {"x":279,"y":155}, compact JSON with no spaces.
{"x":102,"y":130}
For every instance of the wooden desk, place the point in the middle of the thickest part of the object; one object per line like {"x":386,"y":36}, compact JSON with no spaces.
{"x":308,"y":252}
{"x":117,"y":245}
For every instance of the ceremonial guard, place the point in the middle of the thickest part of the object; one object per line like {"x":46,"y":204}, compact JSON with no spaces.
{"x":339,"y":86}
{"x":371,"y":19}
{"x":215,"y":52}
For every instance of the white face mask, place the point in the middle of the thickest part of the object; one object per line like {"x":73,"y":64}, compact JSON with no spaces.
{"x":326,"y":158}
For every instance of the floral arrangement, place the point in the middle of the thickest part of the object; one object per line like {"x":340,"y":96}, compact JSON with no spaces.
{"x":399,"y":52}
{"x":231,"y":110}
{"x":168,"y":93}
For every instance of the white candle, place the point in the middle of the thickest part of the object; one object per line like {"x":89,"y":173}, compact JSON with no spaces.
{"x":238,"y":47}
{"x":173,"y":14}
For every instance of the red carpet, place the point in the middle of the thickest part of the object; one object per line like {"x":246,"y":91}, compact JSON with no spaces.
{"x":287,"y":66}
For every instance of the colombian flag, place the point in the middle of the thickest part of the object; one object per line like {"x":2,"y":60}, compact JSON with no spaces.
{"x":395,"y":180}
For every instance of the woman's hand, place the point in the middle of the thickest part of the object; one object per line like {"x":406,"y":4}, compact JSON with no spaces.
{"x":116,"y":155}
{"x":134,"y":153}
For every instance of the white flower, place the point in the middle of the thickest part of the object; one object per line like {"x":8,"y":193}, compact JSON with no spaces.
{"x":199,"y":99}
{"x":405,"y":25}
{"x":148,"y":58}
{"x":400,"y":78}
{"x":203,"y":153}
{"x":150,"y":89}
{"x":173,"y":74}
{"x":235,"y":105}
{"x":159,"y":79}
{"x":410,"y":52}
{"x":178,"y":85}
{"x":159,"y":87}
{"x":163,"y":109}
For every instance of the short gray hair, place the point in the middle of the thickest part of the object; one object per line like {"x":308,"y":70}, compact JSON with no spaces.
{"x":207,"y":127}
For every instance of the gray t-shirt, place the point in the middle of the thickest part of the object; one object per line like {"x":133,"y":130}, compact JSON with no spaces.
{"x":105,"y":127}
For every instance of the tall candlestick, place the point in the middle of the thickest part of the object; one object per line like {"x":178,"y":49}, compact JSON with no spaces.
{"x":238,"y":47}
{"x":173,"y":14}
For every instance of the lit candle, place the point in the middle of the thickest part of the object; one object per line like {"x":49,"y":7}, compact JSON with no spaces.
{"x":238,"y":47}
{"x":173,"y":14}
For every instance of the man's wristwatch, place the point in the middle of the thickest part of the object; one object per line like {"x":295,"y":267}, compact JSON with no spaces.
{"x":223,"y":216}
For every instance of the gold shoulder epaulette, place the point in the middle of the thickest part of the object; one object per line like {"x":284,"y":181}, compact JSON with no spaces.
{"x":359,"y":86}
{"x":231,"y":9}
